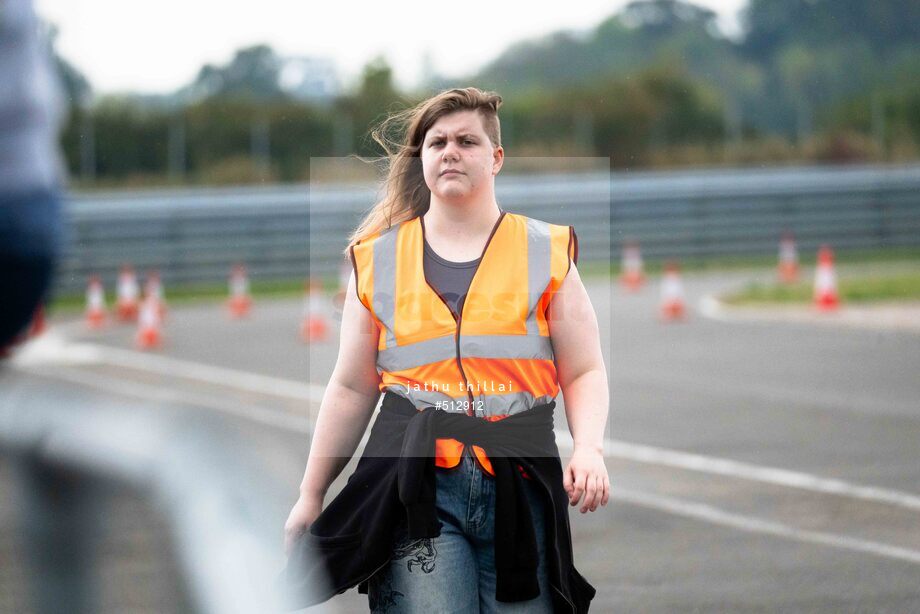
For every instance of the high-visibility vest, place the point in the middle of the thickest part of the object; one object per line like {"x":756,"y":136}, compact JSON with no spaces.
{"x":495,"y":357}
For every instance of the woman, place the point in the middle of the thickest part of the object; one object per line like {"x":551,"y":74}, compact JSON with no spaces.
{"x":470,"y":319}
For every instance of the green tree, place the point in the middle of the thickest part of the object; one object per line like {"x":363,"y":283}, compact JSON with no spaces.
{"x":252,"y":74}
{"x":665,"y":18}
{"x":375,"y":98}
{"x":885,"y":25}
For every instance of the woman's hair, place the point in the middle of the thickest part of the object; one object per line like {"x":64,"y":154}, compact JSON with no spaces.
{"x":406,"y":195}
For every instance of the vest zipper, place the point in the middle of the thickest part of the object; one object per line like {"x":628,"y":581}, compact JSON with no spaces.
{"x":458,"y":318}
{"x":469,"y":393}
{"x":469,"y":410}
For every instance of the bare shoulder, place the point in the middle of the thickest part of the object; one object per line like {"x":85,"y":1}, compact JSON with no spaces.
{"x":570,"y":310}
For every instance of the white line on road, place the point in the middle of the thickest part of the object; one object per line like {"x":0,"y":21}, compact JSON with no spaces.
{"x":757,"y":473}
{"x":221,"y":376}
{"x":262,"y":384}
{"x":708,"y":513}
{"x":52,"y":348}
{"x":148,"y":392}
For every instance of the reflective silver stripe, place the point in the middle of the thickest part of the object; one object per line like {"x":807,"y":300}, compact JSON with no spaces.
{"x":491,"y":405}
{"x":471,"y":346}
{"x":506,"y":346}
{"x":506,"y":404}
{"x":539,"y":255}
{"x":385,"y":282}
{"x":412,"y":355}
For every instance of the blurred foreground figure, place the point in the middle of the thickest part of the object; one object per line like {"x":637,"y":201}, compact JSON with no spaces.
{"x":58,"y":508}
{"x":31,"y":172}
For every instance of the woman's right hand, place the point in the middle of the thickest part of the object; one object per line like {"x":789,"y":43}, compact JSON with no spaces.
{"x":299,"y":520}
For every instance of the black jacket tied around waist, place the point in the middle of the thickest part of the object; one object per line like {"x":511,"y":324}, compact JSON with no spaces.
{"x":394,"y":485}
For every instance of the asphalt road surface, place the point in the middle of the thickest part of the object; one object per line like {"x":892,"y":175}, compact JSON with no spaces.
{"x":755,"y":466}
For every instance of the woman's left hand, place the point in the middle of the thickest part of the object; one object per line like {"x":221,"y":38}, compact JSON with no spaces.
{"x":586,"y":474}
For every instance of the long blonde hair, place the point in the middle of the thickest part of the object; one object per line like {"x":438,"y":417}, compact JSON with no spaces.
{"x":406,"y":195}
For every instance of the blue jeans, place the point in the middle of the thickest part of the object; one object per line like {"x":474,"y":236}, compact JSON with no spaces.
{"x":30,"y":238}
{"x":455,"y":572}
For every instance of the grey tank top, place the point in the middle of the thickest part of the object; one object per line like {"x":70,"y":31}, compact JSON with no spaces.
{"x":450,"y":279}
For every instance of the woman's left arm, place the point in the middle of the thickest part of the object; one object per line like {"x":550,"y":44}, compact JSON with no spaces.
{"x":583,"y":378}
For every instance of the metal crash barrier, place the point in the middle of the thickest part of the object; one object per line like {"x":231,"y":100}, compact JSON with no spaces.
{"x":193,"y":235}
{"x":66,"y":446}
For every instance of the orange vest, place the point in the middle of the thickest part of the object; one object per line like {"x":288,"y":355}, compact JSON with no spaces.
{"x":495,"y":357}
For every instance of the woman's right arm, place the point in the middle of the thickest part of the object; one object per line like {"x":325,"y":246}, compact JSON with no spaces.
{"x":348,"y":403}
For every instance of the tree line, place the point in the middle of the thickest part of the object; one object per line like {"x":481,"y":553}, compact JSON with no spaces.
{"x":654,"y":85}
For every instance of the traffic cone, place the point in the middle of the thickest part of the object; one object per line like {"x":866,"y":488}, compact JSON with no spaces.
{"x":240,"y":300}
{"x":148,"y":329}
{"x":826,"y":297}
{"x":631,"y":275}
{"x":672,"y":294}
{"x":788,"y":267}
{"x":315,"y":326}
{"x":153,"y":290}
{"x":95,"y":303}
{"x":128,"y":292}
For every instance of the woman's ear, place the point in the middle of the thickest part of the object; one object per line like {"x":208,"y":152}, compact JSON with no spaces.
{"x":498,"y":159}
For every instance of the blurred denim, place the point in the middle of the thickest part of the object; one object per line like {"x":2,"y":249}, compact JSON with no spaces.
{"x":30,"y":238}
{"x":31,"y":172}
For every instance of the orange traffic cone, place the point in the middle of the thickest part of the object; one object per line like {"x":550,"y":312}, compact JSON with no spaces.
{"x":153,"y":290}
{"x":240,"y":301}
{"x":631,"y":275}
{"x":788,"y":268}
{"x":128,"y":293}
{"x":672,"y":294}
{"x":148,"y":329}
{"x":315,"y":327}
{"x":95,"y":303}
{"x":825,"y":291}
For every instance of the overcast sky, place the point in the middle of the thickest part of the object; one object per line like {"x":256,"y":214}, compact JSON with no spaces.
{"x":149,"y":47}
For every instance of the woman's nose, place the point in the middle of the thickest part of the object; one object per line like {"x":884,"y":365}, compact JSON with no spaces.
{"x":450,"y":151}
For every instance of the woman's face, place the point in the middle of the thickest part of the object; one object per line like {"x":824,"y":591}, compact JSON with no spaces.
{"x":458,"y":159}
